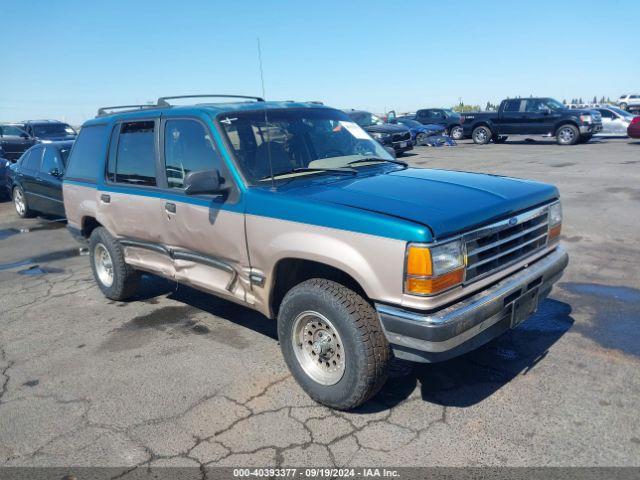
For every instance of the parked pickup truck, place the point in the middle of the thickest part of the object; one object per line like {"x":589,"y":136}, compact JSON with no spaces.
{"x":532,"y":116}
{"x":293,"y":210}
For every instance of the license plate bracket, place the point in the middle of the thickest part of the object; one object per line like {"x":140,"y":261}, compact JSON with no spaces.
{"x":525,"y":306}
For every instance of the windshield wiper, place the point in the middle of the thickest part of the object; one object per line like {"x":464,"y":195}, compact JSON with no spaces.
{"x":378,"y":159}
{"x":347,"y":171}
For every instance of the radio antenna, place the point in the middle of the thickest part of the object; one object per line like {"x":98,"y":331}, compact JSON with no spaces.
{"x":266,"y":118}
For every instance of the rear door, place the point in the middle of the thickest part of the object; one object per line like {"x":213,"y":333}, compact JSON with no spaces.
{"x":511,"y":118}
{"x":206,"y":233}
{"x":130,"y":204}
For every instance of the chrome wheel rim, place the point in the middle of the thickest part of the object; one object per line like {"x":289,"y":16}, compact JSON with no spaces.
{"x":456,"y":133}
{"x":103,"y":264}
{"x":18,"y":200}
{"x":420,"y":138}
{"x":318,"y":348}
{"x":566,"y":135}
{"x":481,"y":135}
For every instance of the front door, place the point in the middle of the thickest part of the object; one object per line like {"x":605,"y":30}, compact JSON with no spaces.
{"x":206,"y":233}
{"x":50,"y":181}
{"x":130,"y":201}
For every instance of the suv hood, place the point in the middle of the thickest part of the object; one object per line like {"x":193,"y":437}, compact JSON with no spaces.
{"x":445,"y":201}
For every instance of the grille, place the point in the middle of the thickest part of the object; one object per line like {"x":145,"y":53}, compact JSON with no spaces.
{"x":401,"y":137}
{"x":495,"y":247}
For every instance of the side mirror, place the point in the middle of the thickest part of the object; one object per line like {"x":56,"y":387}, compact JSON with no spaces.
{"x":204,"y":182}
{"x":54,"y":172}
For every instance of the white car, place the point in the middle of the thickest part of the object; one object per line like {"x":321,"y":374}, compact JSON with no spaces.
{"x":629,"y":101}
{"x":614,"y":120}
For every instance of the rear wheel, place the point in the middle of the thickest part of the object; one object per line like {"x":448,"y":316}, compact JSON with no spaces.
{"x":567,"y":135}
{"x":623,"y":106}
{"x":456,"y":132}
{"x":481,"y":135}
{"x":333,"y":344}
{"x":116,"y":279}
{"x":421,"y":138}
{"x":20,"y":203}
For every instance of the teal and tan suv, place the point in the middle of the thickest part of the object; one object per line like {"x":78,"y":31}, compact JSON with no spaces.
{"x":293,"y":210}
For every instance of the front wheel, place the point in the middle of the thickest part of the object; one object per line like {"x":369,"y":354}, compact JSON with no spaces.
{"x":456,"y":132}
{"x":567,"y":135}
{"x":481,"y":135}
{"x":333,"y":344}
{"x":623,"y":106}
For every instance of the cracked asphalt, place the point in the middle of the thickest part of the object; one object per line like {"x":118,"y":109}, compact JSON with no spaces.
{"x":177,"y":377}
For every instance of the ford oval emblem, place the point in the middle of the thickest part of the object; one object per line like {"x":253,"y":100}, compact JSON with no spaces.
{"x":513,"y":221}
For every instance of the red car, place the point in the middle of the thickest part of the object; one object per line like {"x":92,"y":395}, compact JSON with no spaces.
{"x":633,"y":130}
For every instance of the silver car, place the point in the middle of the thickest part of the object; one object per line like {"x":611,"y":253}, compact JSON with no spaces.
{"x":614,"y":120}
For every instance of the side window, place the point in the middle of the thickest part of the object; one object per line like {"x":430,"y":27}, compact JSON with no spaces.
{"x":136,"y":155}
{"x":11,"y":131}
{"x":512,"y":106}
{"x":606,"y":114}
{"x":32,"y":161}
{"x":188,"y":147}
{"x":88,"y":153}
{"x":51,"y":160}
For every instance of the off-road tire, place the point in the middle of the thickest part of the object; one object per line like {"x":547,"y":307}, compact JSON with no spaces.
{"x":125,"y":278}
{"x":481,"y":135}
{"x":365,"y":347}
{"x":26,"y":211}
{"x":570,"y":138}
{"x":456,"y":132}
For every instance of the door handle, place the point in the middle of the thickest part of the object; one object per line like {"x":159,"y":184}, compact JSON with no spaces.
{"x":104,"y":198}
{"x":170,"y":207}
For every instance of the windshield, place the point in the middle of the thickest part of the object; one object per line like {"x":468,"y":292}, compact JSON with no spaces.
{"x":366,"y":119}
{"x":280,"y":141}
{"x":47,"y":129}
{"x":451,"y":113}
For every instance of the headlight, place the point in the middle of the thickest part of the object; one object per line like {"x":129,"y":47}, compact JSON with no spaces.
{"x":555,"y":221}
{"x":585,"y":118}
{"x":379,"y":136}
{"x":430,"y":270}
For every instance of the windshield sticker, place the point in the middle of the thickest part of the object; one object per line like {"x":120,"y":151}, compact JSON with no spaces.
{"x":227,"y":120}
{"x":355,"y":130}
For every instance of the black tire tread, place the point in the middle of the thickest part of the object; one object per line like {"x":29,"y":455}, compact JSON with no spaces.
{"x":366,"y":321}
{"x":29,"y":213}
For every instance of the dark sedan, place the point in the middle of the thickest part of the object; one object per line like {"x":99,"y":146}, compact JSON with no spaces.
{"x":442,"y":116}
{"x":14,"y":141}
{"x":419,"y":132}
{"x":397,"y":137}
{"x":49,"y":130}
{"x":36,"y":179}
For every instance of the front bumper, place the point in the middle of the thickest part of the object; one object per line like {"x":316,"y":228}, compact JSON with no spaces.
{"x":468,"y":324}
{"x":590,"y":129}
{"x":403,"y":146}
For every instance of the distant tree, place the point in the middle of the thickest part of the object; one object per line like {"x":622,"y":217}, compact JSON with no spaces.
{"x":595,"y":99}
{"x":602,"y":100}
{"x":564,"y":101}
{"x":580,"y":100}
{"x":462,"y":108}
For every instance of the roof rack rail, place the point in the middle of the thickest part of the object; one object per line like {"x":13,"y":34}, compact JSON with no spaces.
{"x":111,"y":110}
{"x":163,"y":101}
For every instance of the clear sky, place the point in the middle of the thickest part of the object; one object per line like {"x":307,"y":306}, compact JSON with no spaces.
{"x":64,"y":59}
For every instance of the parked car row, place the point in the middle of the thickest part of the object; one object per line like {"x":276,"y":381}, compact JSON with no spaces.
{"x":16,"y":138}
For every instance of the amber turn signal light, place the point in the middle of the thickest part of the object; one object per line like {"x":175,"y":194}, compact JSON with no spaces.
{"x":554,"y":232}
{"x":419,"y":261}
{"x":429,"y":286}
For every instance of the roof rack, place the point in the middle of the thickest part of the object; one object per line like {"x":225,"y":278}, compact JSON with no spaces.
{"x":111,"y":110}
{"x":163,"y":101}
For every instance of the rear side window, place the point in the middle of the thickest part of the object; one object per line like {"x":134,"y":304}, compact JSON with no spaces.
{"x":512,"y":106}
{"x":31,"y":161}
{"x":135,"y":160}
{"x":88,"y":153}
{"x":188,"y":147}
